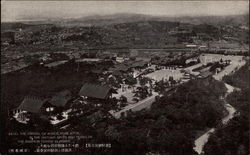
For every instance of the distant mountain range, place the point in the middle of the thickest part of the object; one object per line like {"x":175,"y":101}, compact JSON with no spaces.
{"x":102,"y":20}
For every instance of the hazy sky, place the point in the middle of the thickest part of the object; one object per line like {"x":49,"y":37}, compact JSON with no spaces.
{"x":16,"y":10}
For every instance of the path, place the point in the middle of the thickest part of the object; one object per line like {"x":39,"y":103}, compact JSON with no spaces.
{"x":202,"y":140}
{"x":137,"y":106}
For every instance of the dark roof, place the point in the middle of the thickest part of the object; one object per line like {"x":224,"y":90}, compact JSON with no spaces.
{"x":139,"y":64}
{"x":122,"y":67}
{"x":32,"y":104}
{"x":206,"y":74}
{"x":95,"y":91}
{"x":61,"y":98}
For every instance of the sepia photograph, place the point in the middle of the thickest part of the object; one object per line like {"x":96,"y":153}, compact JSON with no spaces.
{"x":125,"y":77}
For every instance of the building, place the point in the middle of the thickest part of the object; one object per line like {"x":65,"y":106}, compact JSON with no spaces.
{"x":61,"y":98}
{"x":205,"y":74}
{"x":140,"y":64}
{"x":32,"y":104}
{"x":206,"y":58}
{"x":191,"y":46}
{"x":96,"y":91}
{"x":121,"y":59}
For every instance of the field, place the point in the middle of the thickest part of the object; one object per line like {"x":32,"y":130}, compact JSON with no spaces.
{"x":165,"y":74}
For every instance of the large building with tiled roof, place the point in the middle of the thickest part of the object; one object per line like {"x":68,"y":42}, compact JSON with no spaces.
{"x":61,"y":98}
{"x":96,"y":91}
{"x":32,"y":104}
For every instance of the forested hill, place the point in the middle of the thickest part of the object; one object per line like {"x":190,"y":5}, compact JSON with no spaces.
{"x":172,"y":123}
{"x":101,"y":20}
{"x":128,"y":31}
{"x":233,"y":139}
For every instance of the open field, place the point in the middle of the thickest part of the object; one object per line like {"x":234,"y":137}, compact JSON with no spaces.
{"x":165,"y":74}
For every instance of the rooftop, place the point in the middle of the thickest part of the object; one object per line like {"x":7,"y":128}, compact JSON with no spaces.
{"x":61,"y":98}
{"x":95,"y":91}
{"x":32,"y":104}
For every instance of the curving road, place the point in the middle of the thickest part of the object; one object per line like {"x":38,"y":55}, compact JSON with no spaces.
{"x":146,"y":103}
{"x":202,"y":140}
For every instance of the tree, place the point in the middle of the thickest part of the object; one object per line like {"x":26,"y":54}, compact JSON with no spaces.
{"x":135,"y":99}
{"x":142,"y":92}
{"x":59,"y":116}
{"x":171,"y":78}
{"x":123,"y":99}
{"x":113,"y":82}
{"x":131,"y":81}
{"x":144,"y":80}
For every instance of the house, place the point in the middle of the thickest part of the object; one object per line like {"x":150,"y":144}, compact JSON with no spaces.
{"x":191,"y":46}
{"x":95,"y":91}
{"x":32,"y":104}
{"x":61,"y":98}
{"x":205,"y":74}
{"x":120,"y":59}
{"x":206,"y":58}
{"x":140,"y":64}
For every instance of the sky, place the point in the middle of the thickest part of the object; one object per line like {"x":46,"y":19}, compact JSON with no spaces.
{"x":34,"y":10}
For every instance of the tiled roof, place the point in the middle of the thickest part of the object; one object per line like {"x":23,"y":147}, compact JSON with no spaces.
{"x":95,"y":91}
{"x":206,"y":74}
{"x":139,"y":64}
{"x":32,"y":104}
{"x":61,"y":98}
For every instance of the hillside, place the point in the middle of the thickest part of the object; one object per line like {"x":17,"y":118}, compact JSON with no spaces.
{"x":129,"y":31}
{"x":101,"y":20}
{"x":143,"y":34}
{"x":233,"y":139}
{"x":172,"y":122}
